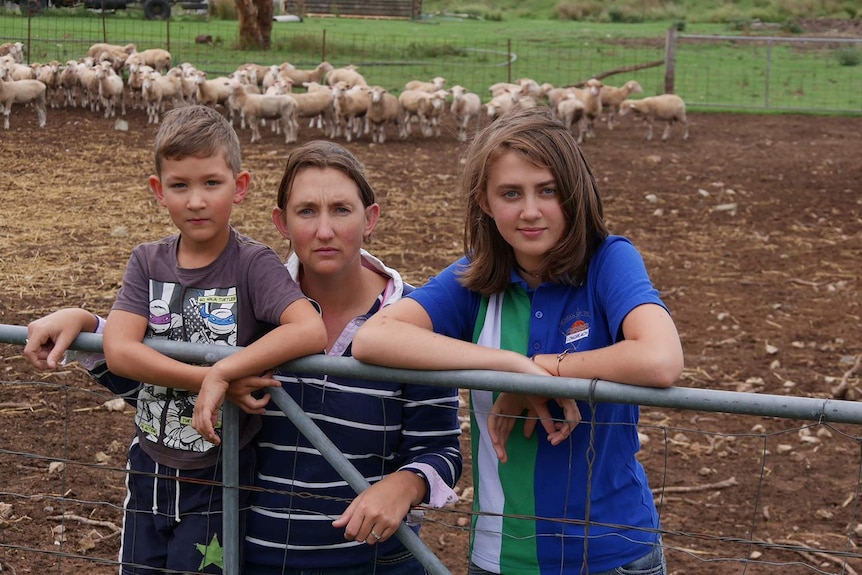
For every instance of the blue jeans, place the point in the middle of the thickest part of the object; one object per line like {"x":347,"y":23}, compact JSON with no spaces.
{"x":653,"y":563}
{"x":401,"y":563}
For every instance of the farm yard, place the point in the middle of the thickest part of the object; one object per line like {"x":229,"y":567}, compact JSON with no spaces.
{"x":751,"y":230}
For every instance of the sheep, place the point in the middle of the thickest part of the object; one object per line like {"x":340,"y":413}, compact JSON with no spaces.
{"x":111,"y":89}
{"x":423,"y":106}
{"x":49,"y":74}
{"x":612,"y":97}
{"x":502,"y":103}
{"x":347,"y":74}
{"x":69,"y":83}
{"x":501,"y":88}
{"x":21,"y":92}
{"x":317,"y":103}
{"x":669,"y":108}
{"x":16,"y":51}
{"x":101,"y":52}
{"x":351,"y":106}
{"x":212,"y":92}
{"x":570,"y":111}
{"x":158,"y":59}
{"x":18,"y":71}
{"x":255,"y":72}
{"x":89,"y":85}
{"x":591,"y":96}
{"x":383,"y":109}
{"x":255,"y":107}
{"x":466,"y":107}
{"x":135,"y":82}
{"x":432,"y":86}
{"x":299,"y":77}
{"x":155,"y":90}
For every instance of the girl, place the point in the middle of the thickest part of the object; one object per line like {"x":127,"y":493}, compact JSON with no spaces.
{"x":544,"y":289}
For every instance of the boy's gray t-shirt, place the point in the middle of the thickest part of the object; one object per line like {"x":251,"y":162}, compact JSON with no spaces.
{"x":232,"y":301}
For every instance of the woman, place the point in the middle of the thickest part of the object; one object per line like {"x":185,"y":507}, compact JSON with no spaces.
{"x":544,"y":289}
{"x":403,"y":438}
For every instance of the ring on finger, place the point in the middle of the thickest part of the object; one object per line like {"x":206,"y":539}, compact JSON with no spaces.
{"x":375,"y":535}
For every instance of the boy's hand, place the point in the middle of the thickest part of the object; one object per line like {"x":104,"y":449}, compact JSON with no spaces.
{"x":213,"y":392}
{"x":209,"y":399}
{"x":49,"y":337}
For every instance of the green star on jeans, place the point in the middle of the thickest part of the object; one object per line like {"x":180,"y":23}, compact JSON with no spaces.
{"x":213,"y":554}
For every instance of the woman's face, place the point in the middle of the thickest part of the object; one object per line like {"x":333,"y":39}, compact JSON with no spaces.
{"x":325,"y":220}
{"x":525,"y":205}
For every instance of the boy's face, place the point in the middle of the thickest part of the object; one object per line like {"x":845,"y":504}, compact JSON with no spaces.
{"x":199,"y":194}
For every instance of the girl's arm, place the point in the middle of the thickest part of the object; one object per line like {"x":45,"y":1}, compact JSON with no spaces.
{"x":401,"y":335}
{"x":650,"y":355}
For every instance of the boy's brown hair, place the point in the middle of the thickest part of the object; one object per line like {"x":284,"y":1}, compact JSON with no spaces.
{"x":198,"y":132}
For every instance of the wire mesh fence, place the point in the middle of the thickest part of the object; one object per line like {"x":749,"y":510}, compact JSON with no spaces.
{"x":728,"y":72}
{"x":758,"y":505}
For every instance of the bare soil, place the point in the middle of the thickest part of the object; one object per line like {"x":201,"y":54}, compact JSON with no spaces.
{"x":752,"y":230}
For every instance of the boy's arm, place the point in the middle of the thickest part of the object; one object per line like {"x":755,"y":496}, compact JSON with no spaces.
{"x":127,"y":355}
{"x":301,"y":333}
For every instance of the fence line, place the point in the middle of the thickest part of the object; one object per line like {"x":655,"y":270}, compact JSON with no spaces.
{"x":821,"y":411}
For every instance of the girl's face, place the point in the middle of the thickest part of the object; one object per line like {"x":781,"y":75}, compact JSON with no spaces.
{"x":524,"y":203}
{"x":325,"y":220}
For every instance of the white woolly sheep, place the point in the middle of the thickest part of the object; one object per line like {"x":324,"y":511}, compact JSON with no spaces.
{"x":21,"y":92}
{"x":112,"y":53}
{"x":591,"y":96}
{"x":351,"y":107}
{"x":257,"y":107}
{"x":570,"y":111}
{"x":466,"y":108}
{"x":435,"y":84}
{"x":212,"y":92}
{"x":383,"y":109}
{"x":612,"y":97}
{"x":155,"y":90}
{"x":668,"y":108}
{"x":423,"y":107}
{"x":158,"y":59}
{"x":69,"y":83}
{"x":502,"y":103}
{"x":111,"y":90}
{"x":299,"y":77}
{"x":49,"y":74}
{"x":16,"y":51}
{"x":348,"y":75}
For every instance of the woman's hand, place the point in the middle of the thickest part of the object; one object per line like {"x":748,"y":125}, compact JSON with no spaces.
{"x":377,"y":513}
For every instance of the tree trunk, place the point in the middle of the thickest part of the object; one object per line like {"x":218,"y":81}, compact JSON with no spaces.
{"x":255,"y":23}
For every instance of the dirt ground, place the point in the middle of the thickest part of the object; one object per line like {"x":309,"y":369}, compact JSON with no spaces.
{"x":752,"y":231}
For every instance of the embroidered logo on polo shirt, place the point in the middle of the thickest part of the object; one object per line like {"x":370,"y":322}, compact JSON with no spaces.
{"x":577,"y":331}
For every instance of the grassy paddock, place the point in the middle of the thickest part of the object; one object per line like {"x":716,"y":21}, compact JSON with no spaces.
{"x":476,"y":54}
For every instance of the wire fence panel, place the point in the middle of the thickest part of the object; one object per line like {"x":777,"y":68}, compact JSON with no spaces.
{"x":753,"y":471}
{"x":730,"y":72}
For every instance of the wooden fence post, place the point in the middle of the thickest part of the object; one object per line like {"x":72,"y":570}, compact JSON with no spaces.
{"x":670,"y":60}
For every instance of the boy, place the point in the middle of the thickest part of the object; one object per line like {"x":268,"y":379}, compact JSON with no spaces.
{"x":207,"y":284}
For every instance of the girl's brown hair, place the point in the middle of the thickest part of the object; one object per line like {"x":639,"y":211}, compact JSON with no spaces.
{"x":544,"y":142}
{"x":324,"y":154}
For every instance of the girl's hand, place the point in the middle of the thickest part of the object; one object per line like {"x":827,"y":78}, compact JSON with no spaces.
{"x":508,"y":406}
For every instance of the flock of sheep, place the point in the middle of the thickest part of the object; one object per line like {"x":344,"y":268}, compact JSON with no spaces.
{"x":337,"y":100}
